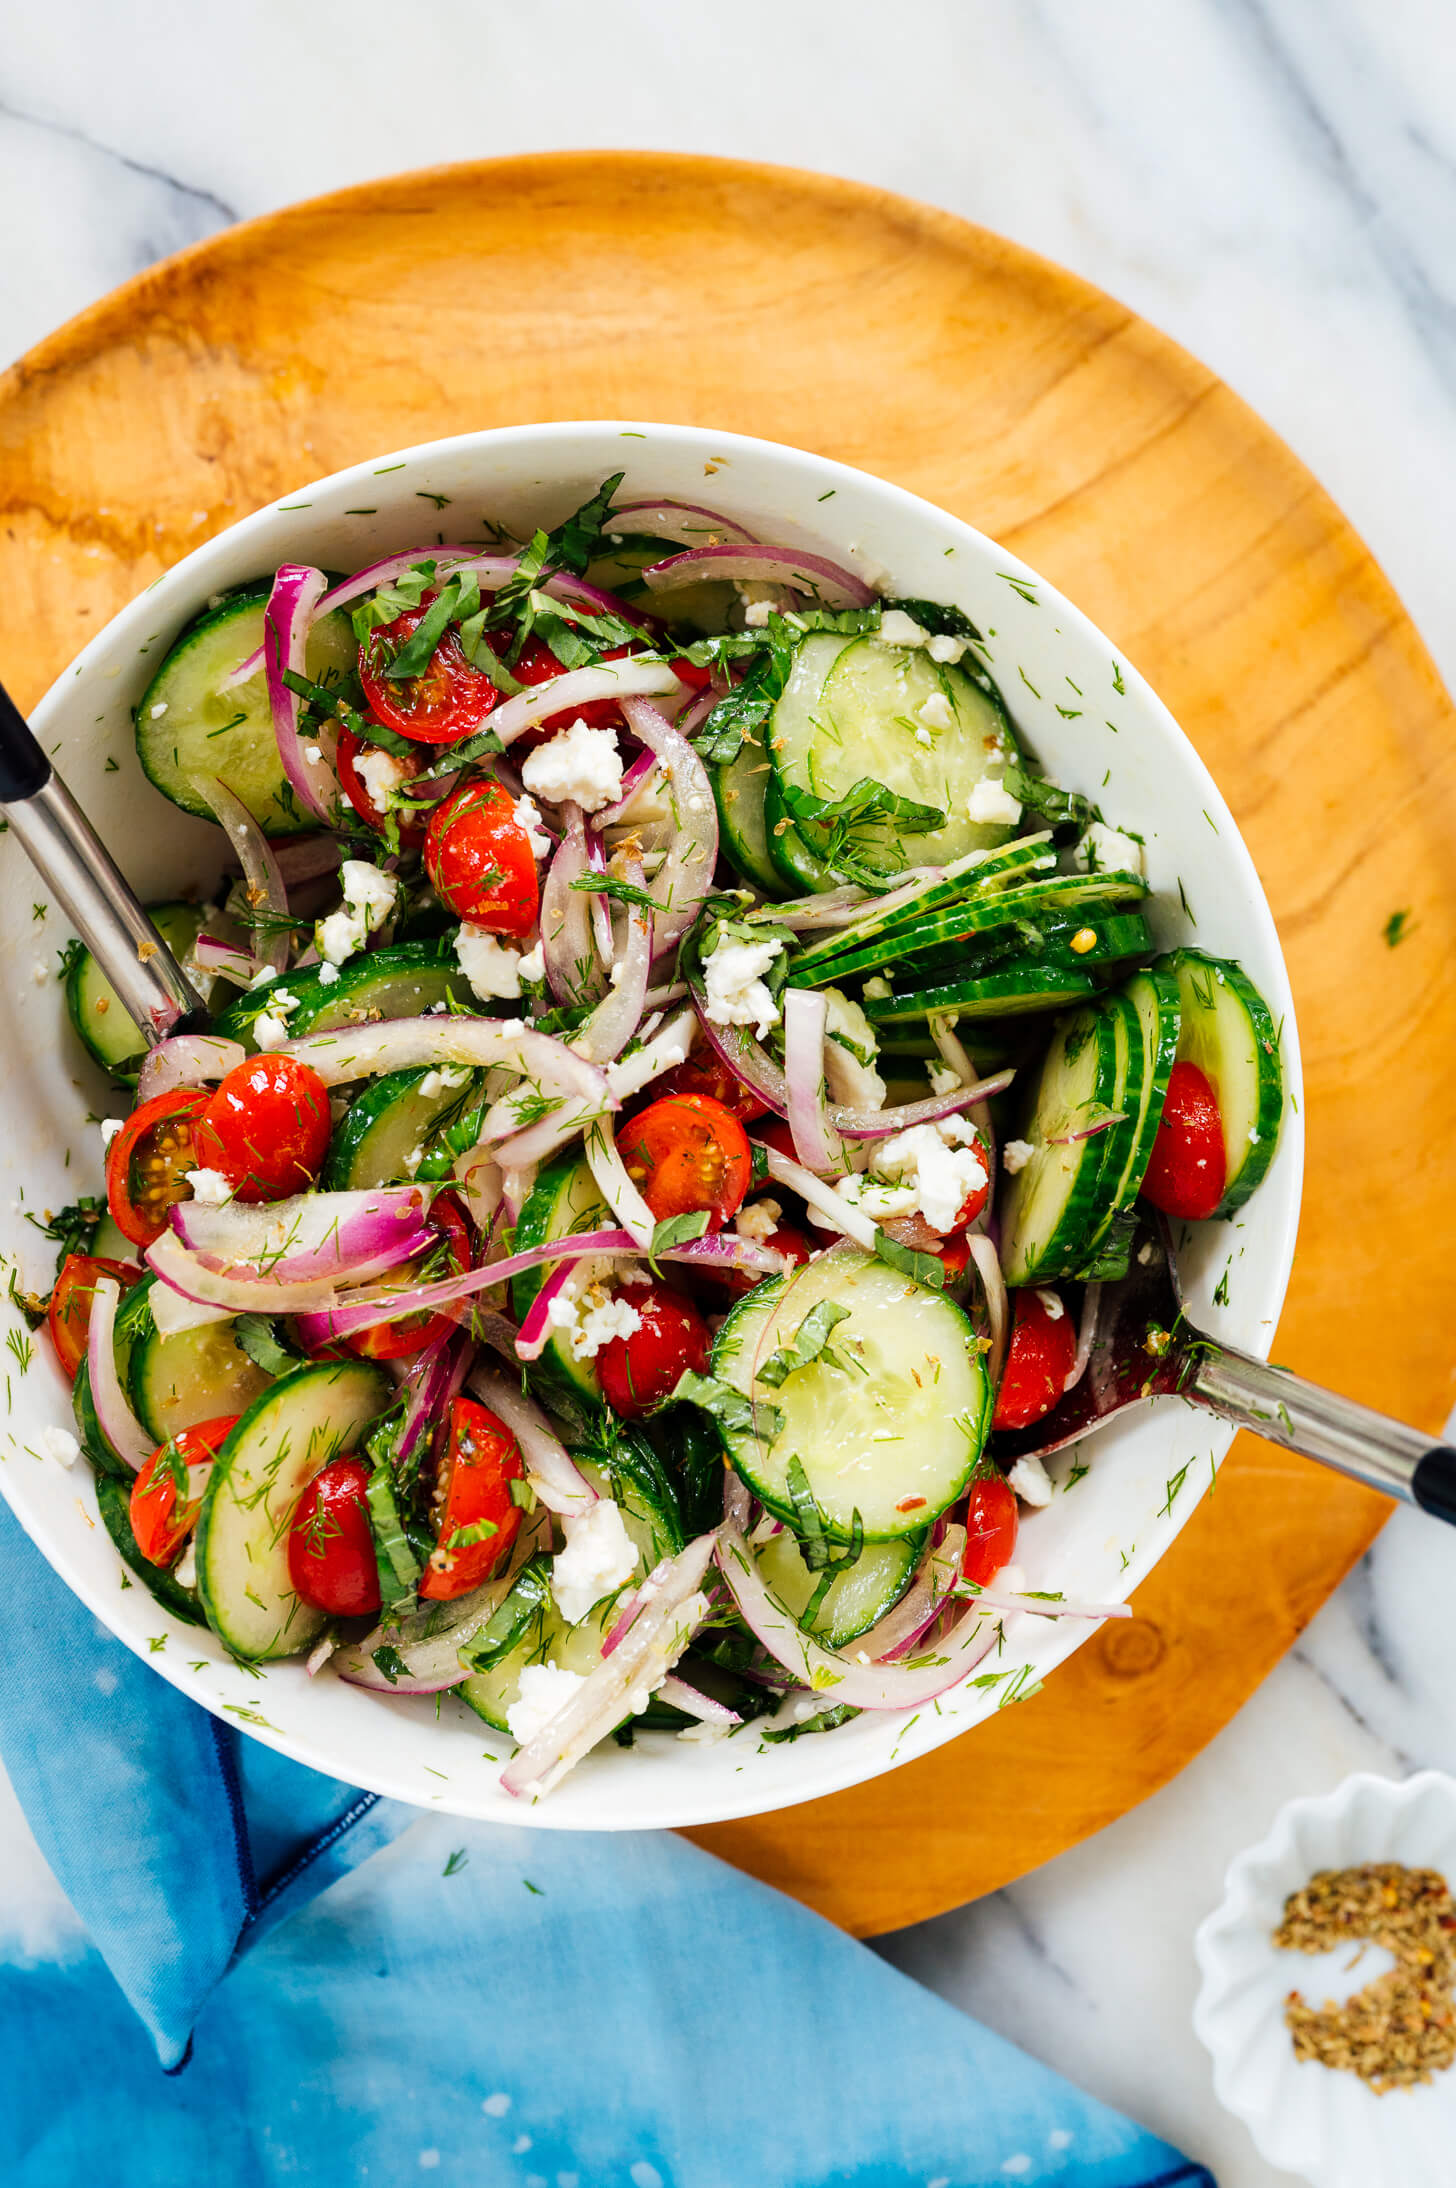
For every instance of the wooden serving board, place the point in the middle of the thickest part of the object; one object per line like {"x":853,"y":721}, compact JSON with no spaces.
{"x":896,"y":338}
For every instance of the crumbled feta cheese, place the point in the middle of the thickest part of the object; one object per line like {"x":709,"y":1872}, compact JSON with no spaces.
{"x":563,"y":1311}
{"x":110,"y":1126}
{"x":40,"y":972}
{"x":736,"y":993}
{"x":413,"y":1160}
{"x":877,"y":988}
{"x":269,"y":1031}
{"x":184,"y":1572}
{"x":757,"y":613}
{"x":600,"y":1324}
{"x":381,"y":774}
{"x":1052,"y":1303}
{"x":873,"y":1197}
{"x":369,"y":896}
{"x":580,"y":763}
{"x":1031,"y":1482}
{"x":923,"y":737}
{"x":703,"y":1734}
{"x":943,"y":1079}
{"x":159,"y":710}
{"x":899,"y":629}
{"x":491,"y":969}
{"x":327,"y":975}
{"x":946,"y":649}
{"x":533,"y":964}
{"x":758,"y":1221}
{"x":851,"y":1047}
{"x":1105,"y":850}
{"x":543,"y":1692}
{"x":443,"y":1082}
{"x":58,"y":1444}
{"x":1015,"y":1155}
{"x":210,"y":1187}
{"x":314,"y":753}
{"x":935,"y":712}
{"x":598,"y":1556}
{"x":992,"y":802}
{"x":943,"y":1174}
{"x":528,"y":816}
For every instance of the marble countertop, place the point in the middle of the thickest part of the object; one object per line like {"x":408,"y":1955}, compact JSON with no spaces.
{"x":1274,"y":183}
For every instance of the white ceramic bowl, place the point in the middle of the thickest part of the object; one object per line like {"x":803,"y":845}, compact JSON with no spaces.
{"x":1318,"y":2122}
{"x":1116,"y":741}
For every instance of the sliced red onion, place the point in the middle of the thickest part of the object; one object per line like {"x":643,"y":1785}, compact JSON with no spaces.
{"x":557,"y":1480}
{"x":263,"y":884}
{"x":837,"y":1213}
{"x":361,"y":1052}
{"x":600,"y":910}
{"x":188,"y":1059}
{"x":1049,"y":1606}
{"x":534,"y":1334}
{"x":839,"y":1677}
{"x":686,"y":875}
{"x":619,"y":1013}
{"x":170,"y":1261}
{"x":481,"y":1186}
{"x":384,"y":572}
{"x":664,"y":1052}
{"x":114,"y":1416}
{"x":692,"y":1701}
{"x":658,"y":1637}
{"x":1087,"y":1131}
{"x":921,"y":1604}
{"x":669,"y":1046}
{"x":309,"y":1235}
{"x":682,"y":520}
{"x":659,"y":998}
{"x":998,"y":1307}
{"x":827,"y":581}
{"x":616,"y":1188}
{"x":1086,"y":1331}
{"x":227,"y":961}
{"x":693,"y":717}
{"x":297,"y":591}
{"x":630,"y":677}
{"x":433,"y":1380}
{"x":308,"y":858}
{"x":633,"y":783}
{"x":528,"y":1148}
{"x":806,"y":1014}
{"x":172,"y":1314}
{"x":878,"y":1124}
{"x":735,"y":1047}
{"x":737,"y":1502}
{"x":573,"y":972}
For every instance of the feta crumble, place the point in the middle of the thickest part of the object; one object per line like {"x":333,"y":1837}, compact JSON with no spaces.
{"x":528,"y":817}
{"x":443,"y":1082}
{"x":736,"y":995}
{"x":758,"y":1221}
{"x":598,"y":1557}
{"x":381,"y":774}
{"x":327,"y":974}
{"x":1031,"y":1482}
{"x":757,"y":613}
{"x":580,"y":763}
{"x":533,"y":964}
{"x":945,"y":648}
{"x":1015,"y":1155}
{"x":899,"y":629}
{"x":58,"y":1444}
{"x":935,"y":712}
{"x":992,"y":802}
{"x":851,"y":1049}
{"x":877,"y":988}
{"x":159,"y":710}
{"x":1105,"y":850}
{"x":943,"y":1079}
{"x":369,"y":896}
{"x":110,"y":1126}
{"x":269,"y":1031}
{"x":545,"y":1690}
{"x":491,"y":969}
{"x":210,"y":1187}
{"x":1052,"y":1303}
{"x":941,"y":1162}
{"x":600,"y":1324}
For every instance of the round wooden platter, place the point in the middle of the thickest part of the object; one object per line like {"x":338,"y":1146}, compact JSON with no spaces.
{"x":896,"y":338}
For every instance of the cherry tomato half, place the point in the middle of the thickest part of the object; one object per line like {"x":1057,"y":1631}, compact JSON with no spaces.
{"x":148,"y":1161}
{"x":166,"y":1496}
{"x":265,"y":1128}
{"x":351,"y":749}
{"x":992,"y":1519}
{"x":331,"y":1560}
{"x":450,"y":700}
{"x":688,"y":1152}
{"x":480,"y":860}
{"x":478,"y":1517}
{"x":705,"y":1073}
{"x":412,"y":1332}
{"x":774,"y":1132}
{"x":68,"y":1317}
{"x":638,"y":1372}
{"x":1185,"y":1175}
{"x":1038,"y":1359}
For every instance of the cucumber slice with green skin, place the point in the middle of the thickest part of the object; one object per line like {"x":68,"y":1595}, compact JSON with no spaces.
{"x":262,"y":1469}
{"x":636,"y":1482}
{"x":1080,"y":896}
{"x":194,"y":1375}
{"x":403,"y":981}
{"x":563,"y":1201}
{"x":1129,"y":1101}
{"x":83,"y":1411}
{"x":1050,"y":1207}
{"x":966,"y":880}
{"x":113,"y":1501}
{"x":1009,"y":993}
{"x":851,"y":710}
{"x":110,"y":1242}
{"x":1071,"y":940}
{"x":546,"y":1639}
{"x":187,"y":725}
{"x":797,"y":866}
{"x":894,"y":1435}
{"x":388,"y":1124}
{"x":1152,"y":998}
{"x":1228,"y":1032}
{"x":738,"y":790}
{"x":97,"y":1011}
{"x":506,"y":1628}
{"x":856,"y":1598}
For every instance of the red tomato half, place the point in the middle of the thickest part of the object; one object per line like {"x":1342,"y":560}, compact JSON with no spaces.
{"x":331,"y":1560}
{"x":785,"y":1240}
{"x":478,"y":1517}
{"x":411,"y":826}
{"x":164,"y":1507}
{"x":1185,"y":1176}
{"x":480,"y":860}
{"x":68,"y":1317}
{"x":412,"y":1332}
{"x":705,"y":1073}
{"x":1038,"y":1359}
{"x":688,"y":1152}
{"x":992,"y":1520}
{"x":638,"y":1372}
{"x":448,"y":702}
{"x":774,"y":1132}
{"x":266,"y":1128}
{"x":148,"y":1161}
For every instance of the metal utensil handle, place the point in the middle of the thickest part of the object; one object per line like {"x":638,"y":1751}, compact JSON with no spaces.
{"x":1284,"y":1409}
{"x":70,"y":857}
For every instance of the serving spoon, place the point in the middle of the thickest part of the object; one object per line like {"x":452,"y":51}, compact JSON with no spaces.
{"x":1144,"y":1346}
{"x":76,"y":866}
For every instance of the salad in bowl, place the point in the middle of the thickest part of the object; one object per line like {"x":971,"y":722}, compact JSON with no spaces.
{"x":679,"y":1065}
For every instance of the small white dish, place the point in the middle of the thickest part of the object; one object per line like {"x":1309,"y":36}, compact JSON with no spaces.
{"x":1320,"y":2123}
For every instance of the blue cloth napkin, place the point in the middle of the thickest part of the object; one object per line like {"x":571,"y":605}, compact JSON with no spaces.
{"x":288,"y":1982}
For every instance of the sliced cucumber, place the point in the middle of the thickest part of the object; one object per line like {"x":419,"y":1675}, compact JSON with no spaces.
{"x":403,"y":981}
{"x":857,"y":1596}
{"x":113,"y":1501}
{"x":893,"y":1433}
{"x":632,"y":1475}
{"x":980,"y":874}
{"x":564,"y":1200}
{"x":1121,"y":1139}
{"x":1152,"y":998}
{"x":97,"y":1011}
{"x":1050,"y":1207}
{"x":381,"y":1136}
{"x":188,"y":725}
{"x":283,"y":1440}
{"x":546,"y":1638}
{"x":110,"y":1241}
{"x":1074,"y":941}
{"x":797,"y":866}
{"x":738,"y":788}
{"x":1228,"y":1032}
{"x":194,"y":1375}
{"x":988,"y":911}
{"x":1009,"y":993}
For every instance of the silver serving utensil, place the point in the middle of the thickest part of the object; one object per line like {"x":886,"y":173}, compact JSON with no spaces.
{"x":76,"y":866}
{"x":1144,"y":1346}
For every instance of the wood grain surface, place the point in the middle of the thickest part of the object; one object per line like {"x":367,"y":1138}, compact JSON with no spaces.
{"x":927,"y":351}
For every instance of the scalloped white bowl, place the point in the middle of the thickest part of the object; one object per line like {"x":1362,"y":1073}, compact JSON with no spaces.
{"x":1120,"y":744}
{"x":1315,"y":2120}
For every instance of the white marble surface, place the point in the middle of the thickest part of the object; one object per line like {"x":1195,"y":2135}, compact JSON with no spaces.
{"x":1274,"y":182}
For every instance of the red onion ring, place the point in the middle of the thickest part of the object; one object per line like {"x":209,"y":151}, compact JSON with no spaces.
{"x":534,"y":1334}
{"x":687,"y":872}
{"x":360,"y":1052}
{"x":600,"y":910}
{"x":619,"y":1013}
{"x":678,"y":1694}
{"x":1041,"y":1607}
{"x":614,"y":1185}
{"x":297,"y":590}
{"x":667,"y":1048}
{"x":433,"y":1380}
{"x":227,"y":961}
{"x":633,"y":782}
{"x":921,"y":1604}
{"x":998,"y":1306}
{"x":805,"y":573}
{"x":182,"y":1272}
{"x":1087,"y":1131}
{"x":806,"y":1013}
{"x":573,"y":972}
{"x":838,"y":1213}
{"x":557,"y":1481}
{"x":681,"y":520}
{"x":632,"y":676}
{"x":188,"y":1059}
{"x":1086,"y":1331}
{"x":114,"y":1416}
{"x":263,"y":884}
{"x":309,"y":1235}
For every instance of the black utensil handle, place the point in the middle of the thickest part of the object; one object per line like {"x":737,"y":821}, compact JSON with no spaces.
{"x":1433,"y":1484}
{"x":24,"y":768}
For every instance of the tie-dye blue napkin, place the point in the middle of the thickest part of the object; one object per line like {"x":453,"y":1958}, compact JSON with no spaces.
{"x":291,"y":1984}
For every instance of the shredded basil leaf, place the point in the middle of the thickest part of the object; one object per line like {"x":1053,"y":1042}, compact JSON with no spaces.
{"x":1062,"y":808}
{"x":739,"y":1415}
{"x":927,"y":1269}
{"x":811,"y":1342}
{"x":254,"y":1332}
